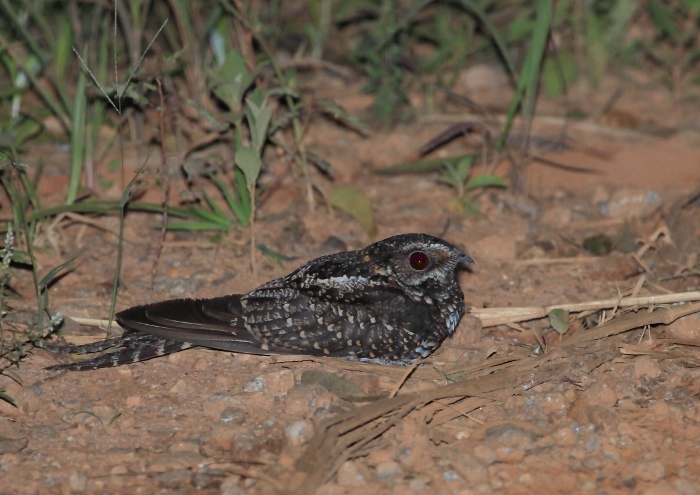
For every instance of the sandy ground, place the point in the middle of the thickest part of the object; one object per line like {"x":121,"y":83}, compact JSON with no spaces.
{"x":618,"y":415}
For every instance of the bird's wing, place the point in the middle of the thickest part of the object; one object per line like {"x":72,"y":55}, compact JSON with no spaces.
{"x":214,"y":323}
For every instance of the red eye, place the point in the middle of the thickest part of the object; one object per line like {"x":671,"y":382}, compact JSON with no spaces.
{"x":419,"y":260}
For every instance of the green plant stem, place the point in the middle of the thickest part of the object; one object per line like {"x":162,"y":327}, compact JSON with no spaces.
{"x":296,"y":123}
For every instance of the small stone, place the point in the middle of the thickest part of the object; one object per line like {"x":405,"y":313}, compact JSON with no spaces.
{"x":180,"y":388}
{"x":77,"y":482}
{"x":558,"y":216}
{"x":184,"y":446}
{"x":349,"y":475}
{"x":592,"y":462}
{"x":256,"y":385}
{"x":480,"y":77}
{"x":330,"y":489}
{"x":566,"y":436}
{"x":449,"y":476}
{"x":485,"y":454}
{"x":215,"y":406}
{"x":598,"y":415}
{"x":379,"y":456}
{"x":629,"y":202}
{"x":663,"y":488}
{"x":299,"y":432}
{"x":200,"y":364}
{"x":387,"y":471}
{"x":230,"y":486}
{"x":511,"y":435}
{"x":303,"y":400}
{"x":649,"y":471}
{"x":598,"y":394}
{"x":645,"y":366}
{"x":232,"y":415}
{"x":175,"y":461}
{"x":279,"y":383}
{"x":687,"y":327}
{"x":419,"y":483}
{"x":119,"y":470}
{"x":685,"y":487}
{"x":554,"y":404}
{"x":133,"y":401}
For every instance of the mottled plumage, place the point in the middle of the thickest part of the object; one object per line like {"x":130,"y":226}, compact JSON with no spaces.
{"x":392,"y":302}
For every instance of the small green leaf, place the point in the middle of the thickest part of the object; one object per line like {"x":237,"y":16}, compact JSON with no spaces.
{"x":337,"y":112}
{"x":598,"y":244}
{"x":250,"y":163}
{"x":50,"y":276}
{"x":559,"y":319}
{"x":419,"y":166}
{"x":258,"y":121}
{"x":355,"y":203}
{"x":7,"y":398}
{"x":485,"y":180}
{"x":662,"y":19}
{"x":197,"y":226}
{"x":21,"y":257}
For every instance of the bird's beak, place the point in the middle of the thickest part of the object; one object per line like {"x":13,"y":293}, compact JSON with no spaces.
{"x":465,"y":259}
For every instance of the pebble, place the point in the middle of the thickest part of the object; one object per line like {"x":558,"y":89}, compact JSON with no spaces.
{"x":256,"y":385}
{"x":554,"y":404}
{"x":630,"y":202}
{"x":184,"y":446}
{"x":215,"y":406}
{"x":77,"y":482}
{"x":485,"y":454}
{"x":598,"y":394}
{"x":649,"y":471}
{"x":299,"y":432}
{"x":175,"y":461}
{"x":598,"y":415}
{"x":566,"y":436}
{"x":279,"y":383}
{"x":181,"y":387}
{"x":646,"y":366}
{"x":662,"y":488}
{"x":687,"y":327}
{"x":200,"y":364}
{"x":480,"y":77}
{"x":387,"y":471}
{"x":230,"y":486}
{"x":303,"y":400}
{"x":349,"y":475}
{"x":592,"y":462}
{"x":419,"y":483}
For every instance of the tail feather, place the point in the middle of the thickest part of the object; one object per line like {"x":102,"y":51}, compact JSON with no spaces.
{"x":131,"y":348}
{"x":163,"y":328}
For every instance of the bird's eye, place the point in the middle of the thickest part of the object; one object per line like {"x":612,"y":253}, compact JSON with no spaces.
{"x":419,"y":260}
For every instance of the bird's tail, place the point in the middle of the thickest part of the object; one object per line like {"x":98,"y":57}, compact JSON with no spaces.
{"x":132,"y":347}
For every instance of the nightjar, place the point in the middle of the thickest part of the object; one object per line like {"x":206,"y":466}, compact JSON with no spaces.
{"x":391,"y":303}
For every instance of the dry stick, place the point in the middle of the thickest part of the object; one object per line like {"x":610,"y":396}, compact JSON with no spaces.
{"x":400,"y":383}
{"x":166,"y":186}
{"x":498,"y":316}
{"x":629,"y":321}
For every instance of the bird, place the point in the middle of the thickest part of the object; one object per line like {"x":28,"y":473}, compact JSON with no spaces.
{"x":393,"y":302}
